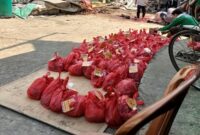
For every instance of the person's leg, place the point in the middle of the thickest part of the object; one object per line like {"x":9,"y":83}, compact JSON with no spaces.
{"x":143,"y":11}
{"x":138,"y":11}
{"x":197,"y":12}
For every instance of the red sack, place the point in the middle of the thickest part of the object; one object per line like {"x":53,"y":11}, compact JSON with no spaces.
{"x":97,"y":81}
{"x":138,"y":73}
{"x":87,"y":71}
{"x":110,"y":81}
{"x":37,"y":87}
{"x":77,"y":105}
{"x":48,"y":92}
{"x":95,"y":107}
{"x":76,"y":69}
{"x":113,"y":64}
{"x":69,"y":60}
{"x":122,"y":71}
{"x":112,"y":116}
{"x":103,"y":64}
{"x":126,"y":87}
{"x":56,"y":64}
{"x":194,"y":45}
{"x":59,"y":95}
{"x":124,"y":109}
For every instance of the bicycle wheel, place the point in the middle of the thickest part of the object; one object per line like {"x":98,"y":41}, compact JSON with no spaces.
{"x":183,"y":52}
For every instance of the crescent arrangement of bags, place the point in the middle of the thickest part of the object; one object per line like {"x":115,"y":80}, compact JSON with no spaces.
{"x":115,"y":63}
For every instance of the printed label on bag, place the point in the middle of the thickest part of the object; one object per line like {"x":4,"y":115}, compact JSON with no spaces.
{"x":116,"y":45}
{"x":66,"y":105}
{"x":136,"y":61}
{"x":98,"y":95}
{"x":133,"y":68}
{"x":86,"y":63}
{"x":147,"y":50}
{"x":107,"y":54}
{"x":117,"y":51}
{"x":98,"y":72}
{"x":84,"y":57}
{"x":101,"y":39}
{"x":101,"y":51}
{"x":133,"y":49}
{"x":91,"y":49}
{"x":132,"y":104}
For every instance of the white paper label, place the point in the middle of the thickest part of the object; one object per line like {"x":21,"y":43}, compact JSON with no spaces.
{"x":133,"y":49}
{"x":133,"y":68}
{"x":91,"y":49}
{"x":84,"y":57}
{"x":98,"y":72}
{"x":86,"y":63}
{"x":97,"y":94}
{"x":66,"y":105}
{"x":136,"y":61}
{"x":132,"y":104}
{"x":147,"y":50}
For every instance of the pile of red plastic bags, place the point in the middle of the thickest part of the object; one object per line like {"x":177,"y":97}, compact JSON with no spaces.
{"x":116,"y":63}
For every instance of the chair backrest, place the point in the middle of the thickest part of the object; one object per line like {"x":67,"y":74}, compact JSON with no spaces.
{"x":163,"y":112}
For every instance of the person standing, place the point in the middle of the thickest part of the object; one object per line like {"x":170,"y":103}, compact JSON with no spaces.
{"x":172,"y":4}
{"x":141,"y":5}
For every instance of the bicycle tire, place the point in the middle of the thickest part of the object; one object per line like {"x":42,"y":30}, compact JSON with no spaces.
{"x":171,"y":50}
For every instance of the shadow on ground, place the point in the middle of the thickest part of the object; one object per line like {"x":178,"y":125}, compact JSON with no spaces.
{"x":15,"y":67}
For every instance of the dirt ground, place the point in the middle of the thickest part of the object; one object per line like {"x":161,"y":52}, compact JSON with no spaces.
{"x":72,"y":28}
{"x":27,"y":45}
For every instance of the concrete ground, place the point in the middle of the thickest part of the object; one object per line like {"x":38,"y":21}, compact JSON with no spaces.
{"x":27,"y":45}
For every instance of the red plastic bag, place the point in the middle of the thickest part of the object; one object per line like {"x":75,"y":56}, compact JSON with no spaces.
{"x":76,"y":69}
{"x":126,"y":87}
{"x":56,"y":64}
{"x":69,"y":60}
{"x":126,"y":109}
{"x":110,"y":81}
{"x":77,"y":105}
{"x":136,"y":71}
{"x":38,"y":86}
{"x":194,"y":45}
{"x":113,"y":64}
{"x":87,"y":71}
{"x":112,"y":116}
{"x":122,"y":71}
{"x":95,"y":107}
{"x":97,"y":81}
{"x":59,"y":95}
{"x":103,"y":64}
{"x":48,"y":92}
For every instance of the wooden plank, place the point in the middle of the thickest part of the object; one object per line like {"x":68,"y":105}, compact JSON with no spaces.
{"x":14,"y":96}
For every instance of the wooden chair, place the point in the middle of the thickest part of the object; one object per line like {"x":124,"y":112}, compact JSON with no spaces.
{"x":162,"y":112}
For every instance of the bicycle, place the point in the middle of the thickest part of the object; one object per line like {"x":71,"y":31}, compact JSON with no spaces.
{"x":184,"y":48}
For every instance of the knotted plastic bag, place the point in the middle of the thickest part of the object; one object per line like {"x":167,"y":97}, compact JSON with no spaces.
{"x":38,"y":86}
{"x":48,"y":92}
{"x":95,"y":107}
{"x":126,"y":87}
{"x":127,"y":107}
{"x":112,"y":116}
{"x":59,"y":95}
{"x":56,"y":64}
{"x":76,"y":69}
{"x":76,"y":105}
